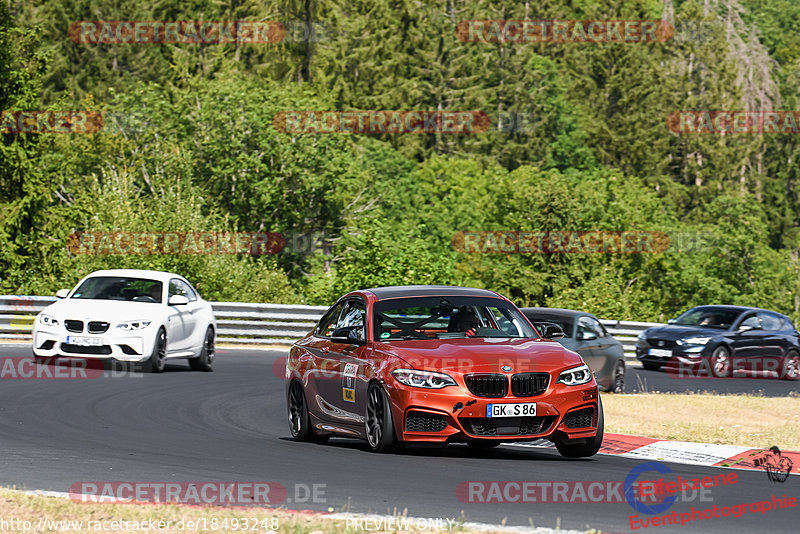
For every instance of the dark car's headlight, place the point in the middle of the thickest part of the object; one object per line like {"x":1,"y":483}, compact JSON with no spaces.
{"x":697,"y":340}
{"x":576,"y":376}
{"x":423,"y":379}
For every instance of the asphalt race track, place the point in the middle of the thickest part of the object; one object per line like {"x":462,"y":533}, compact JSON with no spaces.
{"x":641,"y":380}
{"x":230,"y":425}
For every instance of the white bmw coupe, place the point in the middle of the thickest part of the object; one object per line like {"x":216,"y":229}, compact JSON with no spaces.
{"x":130,"y":316}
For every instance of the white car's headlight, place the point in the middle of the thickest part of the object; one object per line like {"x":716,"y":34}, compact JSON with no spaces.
{"x":423,"y":379}
{"x":49,"y":320}
{"x":575,"y":376}
{"x":700,"y":340}
{"x":133,"y":325}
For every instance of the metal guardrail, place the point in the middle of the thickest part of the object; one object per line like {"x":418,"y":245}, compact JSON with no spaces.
{"x":250,"y":323}
{"x":237,"y":322}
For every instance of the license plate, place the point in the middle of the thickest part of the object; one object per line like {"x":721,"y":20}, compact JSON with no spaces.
{"x":664,"y":353}
{"x":85,"y":341}
{"x":520,"y":409}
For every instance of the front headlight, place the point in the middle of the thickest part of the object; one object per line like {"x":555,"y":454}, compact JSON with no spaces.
{"x":423,"y":379}
{"x":575,"y":376}
{"x":696,"y":340}
{"x":49,"y":320}
{"x":133,"y":325}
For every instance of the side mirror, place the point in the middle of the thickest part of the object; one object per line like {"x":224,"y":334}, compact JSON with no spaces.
{"x":62,"y":293}
{"x":552,"y":331}
{"x":348,"y":334}
{"x":746,"y":327}
{"x":178,"y":300}
{"x":670,"y":321}
{"x":587,"y":336}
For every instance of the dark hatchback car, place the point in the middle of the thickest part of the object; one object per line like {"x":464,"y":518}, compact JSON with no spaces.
{"x":724,"y":339}
{"x":584,"y":334}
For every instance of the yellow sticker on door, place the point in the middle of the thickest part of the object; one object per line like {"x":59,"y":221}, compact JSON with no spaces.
{"x":349,"y":382}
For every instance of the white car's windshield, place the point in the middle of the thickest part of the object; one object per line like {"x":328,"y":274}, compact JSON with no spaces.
{"x":119,"y":288}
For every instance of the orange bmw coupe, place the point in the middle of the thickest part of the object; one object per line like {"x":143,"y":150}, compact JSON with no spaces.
{"x":435,"y":365}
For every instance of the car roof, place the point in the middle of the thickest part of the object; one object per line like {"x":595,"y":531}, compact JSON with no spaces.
{"x":391,"y":292}
{"x":562,"y":312}
{"x":136,"y":273}
{"x":740,"y":309}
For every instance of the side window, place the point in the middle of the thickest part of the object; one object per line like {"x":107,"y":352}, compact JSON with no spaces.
{"x":589,"y":328}
{"x":179,"y":287}
{"x":752,"y":321}
{"x":353,"y":315}
{"x":192,"y":293}
{"x":770,"y":321}
{"x":328,"y":323}
{"x":604,"y":332}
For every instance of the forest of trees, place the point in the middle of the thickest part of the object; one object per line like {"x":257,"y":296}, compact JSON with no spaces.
{"x":189,"y":143}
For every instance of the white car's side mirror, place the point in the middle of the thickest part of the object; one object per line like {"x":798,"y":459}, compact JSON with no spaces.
{"x":178,"y":300}
{"x":62,"y":293}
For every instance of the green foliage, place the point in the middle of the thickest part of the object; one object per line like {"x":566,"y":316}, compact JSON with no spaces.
{"x":190,"y":144}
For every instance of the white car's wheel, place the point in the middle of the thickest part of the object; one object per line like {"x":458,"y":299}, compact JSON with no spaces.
{"x":156,"y":363}
{"x":205,"y":361}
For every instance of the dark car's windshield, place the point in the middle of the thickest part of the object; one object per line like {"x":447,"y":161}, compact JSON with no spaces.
{"x":119,"y":288}
{"x":709,"y":317}
{"x":448,"y":317}
{"x":566,"y":323}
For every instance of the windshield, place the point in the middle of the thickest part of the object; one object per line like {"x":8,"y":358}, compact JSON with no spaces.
{"x":565,"y":322}
{"x":119,"y":288}
{"x":709,"y":317}
{"x":448,"y":317}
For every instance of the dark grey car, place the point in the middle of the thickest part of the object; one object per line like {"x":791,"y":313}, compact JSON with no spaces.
{"x":585,"y":335}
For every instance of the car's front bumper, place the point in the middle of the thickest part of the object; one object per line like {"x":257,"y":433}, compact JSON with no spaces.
{"x":124,"y":346}
{"x":685,"y":355}
{"x":455,"y":414}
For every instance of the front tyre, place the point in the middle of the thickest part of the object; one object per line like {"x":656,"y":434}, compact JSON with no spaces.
{"x":592,"y":445}
{"x":721,"y":362}
{"x":651,"y":366}
{"x":205,"y":361}
{"x":379,"y":424}
{"x":157,"y":360}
